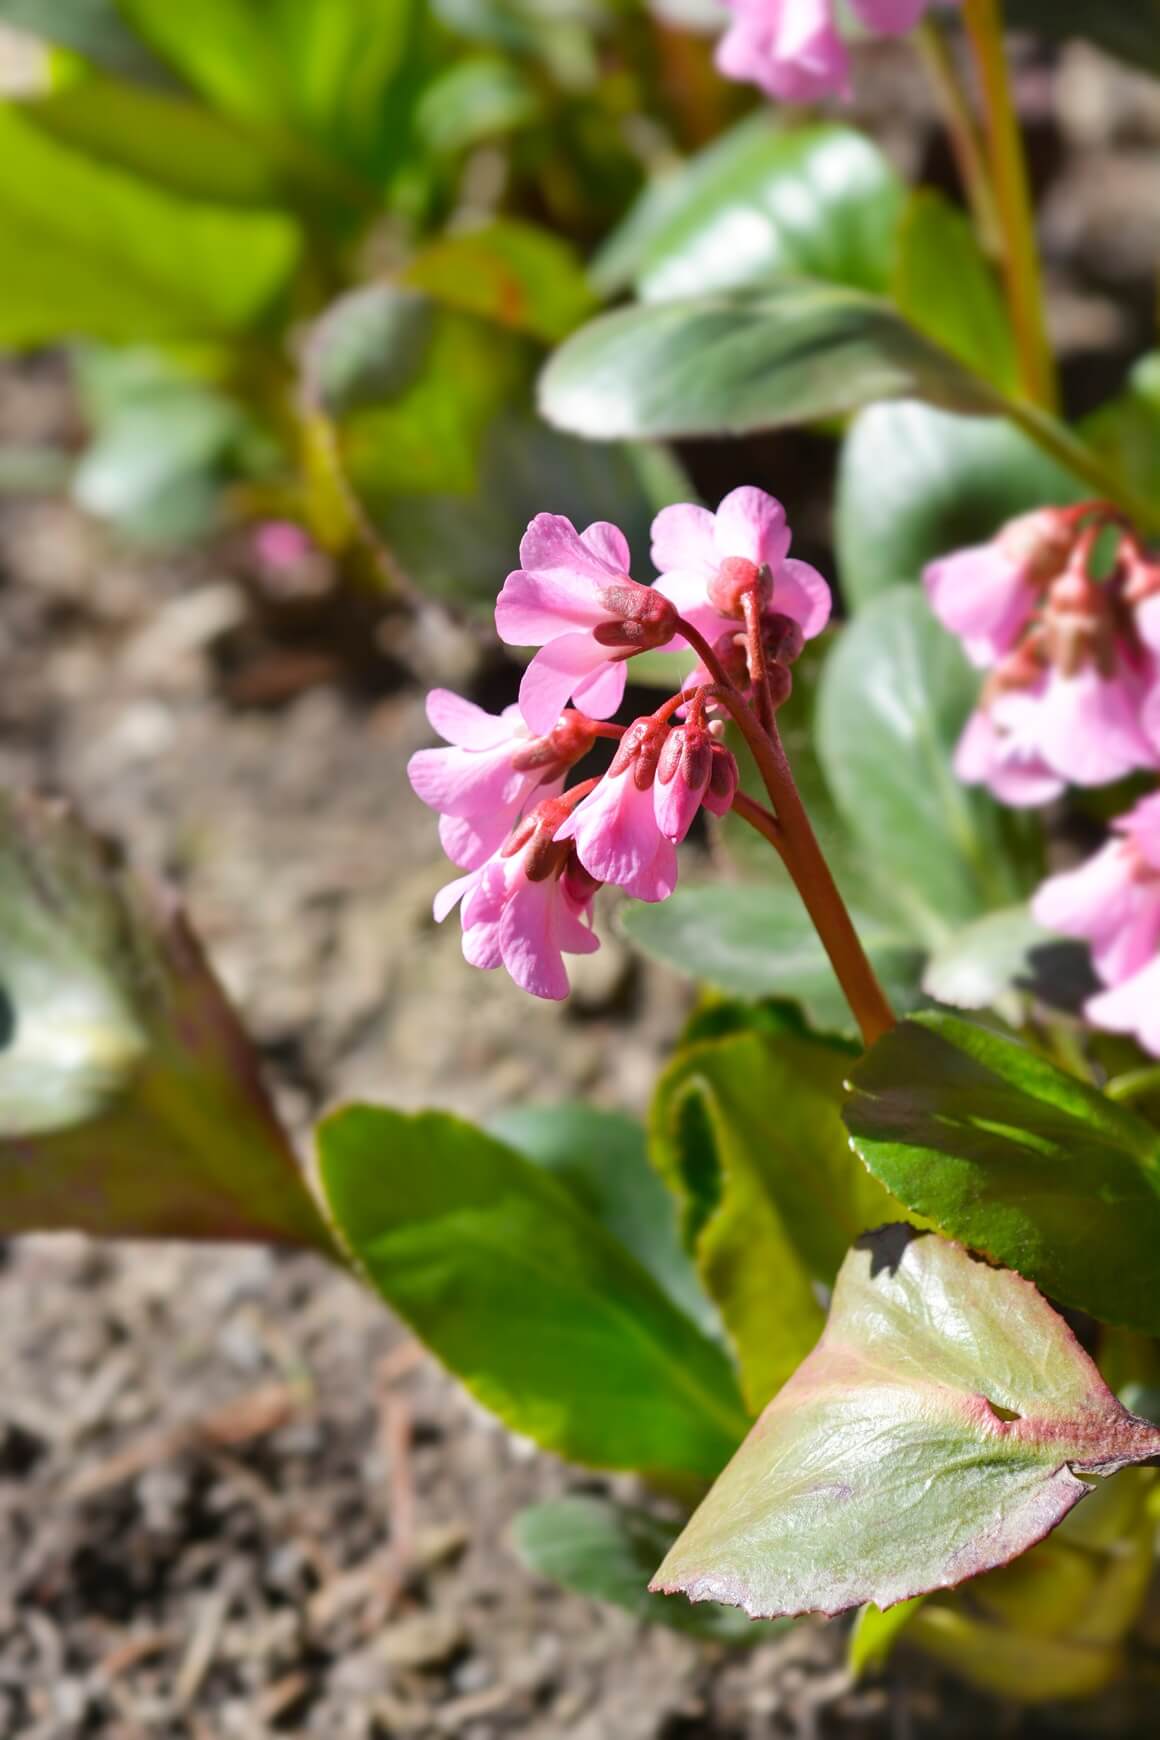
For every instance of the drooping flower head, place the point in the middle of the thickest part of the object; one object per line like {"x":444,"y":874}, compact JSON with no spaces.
{"x":988,"y":593}
{"x":1113,"y":902}
{"x":573,"y":598}
{"x":1067,"y":703}
{"x":527,"y":906}
{"x":793,"y":49}
{"x":694,"y":768}
{"x":482,"y":783}
{"x":618,"y":838}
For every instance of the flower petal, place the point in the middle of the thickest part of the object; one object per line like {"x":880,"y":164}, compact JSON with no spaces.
{"x":549,"y":680}
{"x":528,"y":941}
{"x":463,"y":723}
{"x":682,"y":539}
{"x":600,"y":694}
{"x":1133,"y":1007}
{"x":752,"y":524}
{"x":533,"y":608}
{"x":801,"y":592}
{"x":981,"y":596}
{"x":609,"y":545}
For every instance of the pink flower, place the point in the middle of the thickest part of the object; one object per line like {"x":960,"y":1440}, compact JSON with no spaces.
{"x":792,"y":49}
{"x":1113,"y":902}
{"x":706,"y":560}
{"x":986,"y":594}
{"x":573,"y":598}
{"x":526,"y":907}
{"x":617,"y":834}
{"x":1007,"y":761}
{"x":482,"y":783}
{"x":282,"y":544}
{"x":693,"y":769}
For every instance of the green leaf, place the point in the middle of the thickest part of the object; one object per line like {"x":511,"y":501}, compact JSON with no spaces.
{"x":131,"y":1104}
{"x":979,"y":964}
{"x":756,"y":941}
{"x":508,"y":272}
{"x":94,"y":28}
{"x":602,"y":1157}
{"x":607,"y":1552}
{"x":475,"y":100}
{"x":1126,"y":430}
{"x":548,"y":1321}
{"x":917,"y":1446}
{"x":1002,"y":1150}
{"x":89,"y":250}
{"x":770,"y":1203}
{"x":762,"y":202}
{"x":943,"y":283}
{"x":368,"y":348}
{"x":875,"y":1634}
{"x":721,"y":365}
{"x":915,"y":483}
{"x":1127,"y":28}
{"x":895,"y":693}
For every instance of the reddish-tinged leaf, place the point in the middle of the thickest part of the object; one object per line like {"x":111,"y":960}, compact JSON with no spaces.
{"x":131,"y":1103}
{"x":937,"y":1430}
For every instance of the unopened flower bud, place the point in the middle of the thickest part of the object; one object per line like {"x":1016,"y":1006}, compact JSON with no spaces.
{"x":639,"y":618}
{"x":1078,"y":623}
{"x":1039,"y":544}
{"x":723,"y":780}
{"x":780,"y":680}
{"x":730,"y":650}
{"x":550,"y":757}
{"x":782,"y":638}
{"x":735,"y":578}
{"x":683,"y":773}
{"x":544,"y":856}
{"x":639,"y":750}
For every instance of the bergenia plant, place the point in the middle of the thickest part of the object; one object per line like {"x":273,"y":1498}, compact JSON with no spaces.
{"x":871,"y":1307}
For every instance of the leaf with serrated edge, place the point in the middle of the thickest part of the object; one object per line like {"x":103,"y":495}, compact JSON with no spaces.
{"x":937,"y":1430}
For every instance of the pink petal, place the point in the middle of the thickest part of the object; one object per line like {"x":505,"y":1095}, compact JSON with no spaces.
{"x":1142,"y":826}
{"x":549,"y":680}
{"x":460,"y":783}
{"x":751,"y":523}
{"x":801,"y":592}
{"x":575,"y":928}
{"x":1014,"y":772}
{"x":1133,"y":1007}
{"x":450,"y":894}
{"x":609,"y":545}
{"x":552,"y":545}
{"x":463,"y":723}
{"x":471,"y":841}
{"x":682,"y":539}
{"x":1148,"y":622}
{"x":618,"y":840}
{"x":600,"y":694}
{"x":528,"y":942}
{"x":1105,"y":902}
{"x":686,"y":591}
{"x":675,"y":805}
{"x":790,"y":48}
{"x":1088,"y":727}
{"x":533,"y":609}
{"x":982,"y":597}
{"x":481,"y":915}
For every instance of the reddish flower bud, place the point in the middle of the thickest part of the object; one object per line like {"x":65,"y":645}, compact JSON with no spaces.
{"x":1039,"y":544}
{"x":639,"y":618}
{"x":723,"y":780}
{"x":734,"y":579}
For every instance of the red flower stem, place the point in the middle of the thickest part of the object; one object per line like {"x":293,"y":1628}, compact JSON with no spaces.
{"x":599,"y":728}
{"x":803,"y":857}
{"x":574,"y":793}
{"x":759,"y":818}
{"x":755,"y":657}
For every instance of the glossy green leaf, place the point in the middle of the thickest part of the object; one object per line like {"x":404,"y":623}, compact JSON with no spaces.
{"x":94,"y":28}
{"x":894,"y":697}
{"x":509,"y":272}
{"x":915,"y":483}
{"x":602,"y":1157}
{"x":543,"y":1315}
{"x":756,"y":941}
{"x":131,"y":1104}
{"x":760,"y":203}
{"x":944,"y":284}
{"x":86,"y":249}
{"x":1001,"y":1149}
{"x":608,"y":1552}
{"x":917,"y":1446}
{"x":770,"y":1202}
{"x":728,"y":365}
{"x":1127,"y":28}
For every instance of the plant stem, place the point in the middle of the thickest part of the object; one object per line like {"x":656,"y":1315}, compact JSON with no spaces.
{"x":1134,"y":1085}
{"x":984,"y":23}
{"x":755,"y":657}
{"x":760,"y":819}
{"x":963,"y":131}
{"x":803,"y":857}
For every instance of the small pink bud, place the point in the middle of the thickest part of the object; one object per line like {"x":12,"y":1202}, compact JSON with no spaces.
{"x":734,"y":579}
{"x":723,"y":780}
{"x":640,"y":749}
{"x":567,"y":743}
{"x":639,"y":618}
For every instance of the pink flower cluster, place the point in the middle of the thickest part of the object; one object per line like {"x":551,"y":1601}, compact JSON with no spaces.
{"x":793,"y":49}
{"x":1071,"y":697}
{"x":535,"y":854}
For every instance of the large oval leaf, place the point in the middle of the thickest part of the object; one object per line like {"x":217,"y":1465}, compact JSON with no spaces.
{"x":917,"y":1446}
{"x":1005,"y":1151}
{"x":544,"y":1316}
{"x":721,"y":365}
{"x":895,"y":694}
{"x":761,"y":202}
{"x":914,"y":483}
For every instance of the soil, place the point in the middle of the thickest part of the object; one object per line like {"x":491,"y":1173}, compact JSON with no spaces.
{"x":236,"y":1499}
